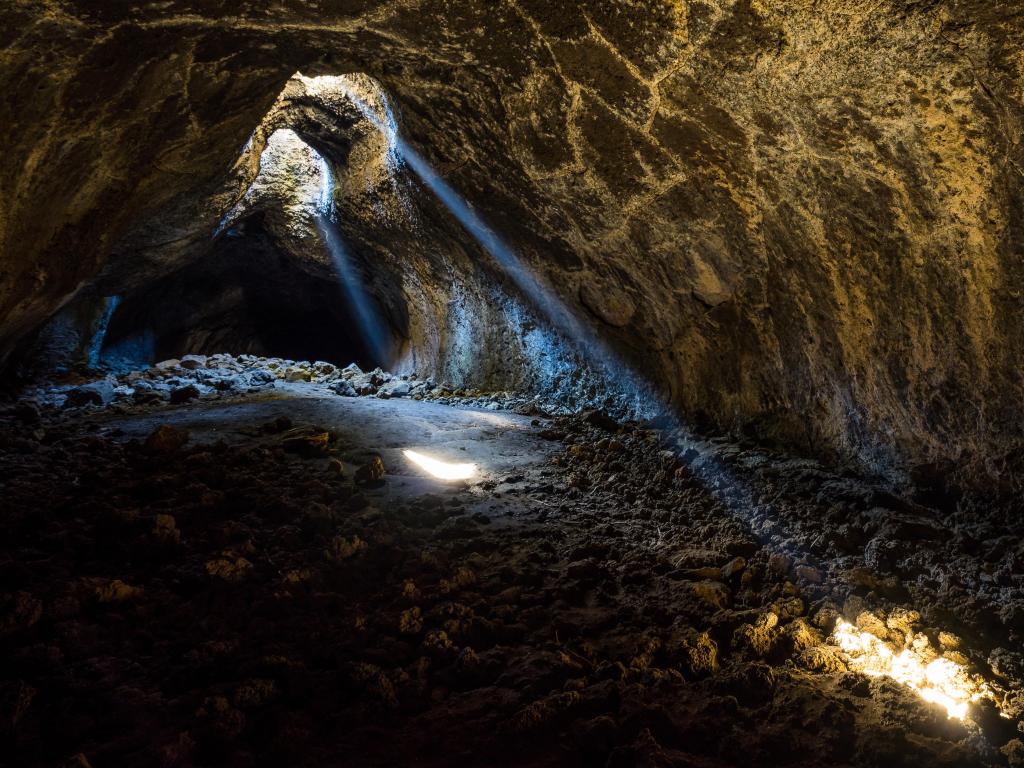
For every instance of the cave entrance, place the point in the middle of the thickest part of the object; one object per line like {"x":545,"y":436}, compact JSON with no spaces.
{"x":278,"y":281}
{"x":245,"y":297}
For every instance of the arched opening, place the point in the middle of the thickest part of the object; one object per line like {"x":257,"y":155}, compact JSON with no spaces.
{"x":246,"y":297}
{"x":276,"y":281}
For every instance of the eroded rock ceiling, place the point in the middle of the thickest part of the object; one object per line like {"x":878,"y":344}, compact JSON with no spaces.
{"x":804,"y":217}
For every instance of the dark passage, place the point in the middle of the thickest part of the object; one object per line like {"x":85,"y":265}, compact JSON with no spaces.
{"x":244,"y":297}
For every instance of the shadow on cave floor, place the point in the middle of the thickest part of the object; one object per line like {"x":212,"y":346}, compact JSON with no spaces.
{"x":227,"y":581}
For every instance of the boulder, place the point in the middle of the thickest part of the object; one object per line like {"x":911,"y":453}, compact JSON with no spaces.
{"x":344,"y":388}
{"x":192,"y":362}
{"x":96,"y":393}
{"x":351,"y":371}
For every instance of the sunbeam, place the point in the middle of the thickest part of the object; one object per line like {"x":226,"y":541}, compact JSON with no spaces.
{"x":594,"y":350}
{"x":366,"y":315}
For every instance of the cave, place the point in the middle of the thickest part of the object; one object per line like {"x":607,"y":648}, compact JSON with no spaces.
{"x":603,"y":383}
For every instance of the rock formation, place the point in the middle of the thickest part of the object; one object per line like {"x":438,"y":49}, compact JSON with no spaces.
{"x":802,"y":219}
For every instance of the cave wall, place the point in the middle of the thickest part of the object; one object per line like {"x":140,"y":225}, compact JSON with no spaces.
{"x":799,"y":215}
{"x":336,"y":253}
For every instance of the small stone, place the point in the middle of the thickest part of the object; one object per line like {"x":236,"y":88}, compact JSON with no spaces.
{"x":733,"y":567}
{"x":372,"y":472}
{"x":600,"y":419}
{"x":229,"y":569}
{"x":78,"y":760}
{"x":809,"y":574}
{"x":166,"y":439}
{"x":117,"y":592}
{"x":821,"y":659}
{"x":324,"y":369}
{"x":336,"y":467}
{"x":411,"y":621}
{"x":1013,"y":751}
{"x":399,"y":388}
{"x":254,"y":693}
{"x":280,"y":424}
{"x":351,"y":370}
{"x":1006,"y":663}
{"x":881,"y":554}
{"x":18,"y":612}
{"x":165,"y":530}
{"x":714,"y":593}
{"x":184,"y":394}
{"x":342,"y":548}
{"x":344,"y":388}
{"x":760,"y":637}
{"x":699,"y":653}
{"x":96,"y":393}
{"x":779,"y":565}
{"x":903,"y":621}
{"x":192,"y":362}
{"x":307,"y":445}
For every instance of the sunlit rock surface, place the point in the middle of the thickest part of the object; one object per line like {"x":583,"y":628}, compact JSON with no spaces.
{"x":801,"y":218}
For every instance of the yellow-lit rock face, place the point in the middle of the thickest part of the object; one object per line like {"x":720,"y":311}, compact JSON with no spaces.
{"x":808,"y":212}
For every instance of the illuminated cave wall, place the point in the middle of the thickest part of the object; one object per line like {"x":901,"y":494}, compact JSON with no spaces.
{"x":344,"y":256}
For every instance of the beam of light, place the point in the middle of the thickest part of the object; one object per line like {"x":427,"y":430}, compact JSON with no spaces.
{"x":359,"y":299}
{"x":96,"y":342}
{"x":935,"y":679}
{"x":441,"y":469}
{"x":528,"y":283}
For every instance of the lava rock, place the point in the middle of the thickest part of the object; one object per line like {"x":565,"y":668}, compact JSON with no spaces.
{"x":166,"y":439}
{"x":184,"y":394}
{"x":193,"y":362}
{"x":309,"y":444}
{"x":96,"y":393}
{"x":344,"y":388}
{"x":371,"y":472}
{"x":600,"y":419}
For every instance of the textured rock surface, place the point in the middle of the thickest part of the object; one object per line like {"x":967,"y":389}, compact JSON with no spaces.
{"x":803,"y":216}
{"x":260,"y":577}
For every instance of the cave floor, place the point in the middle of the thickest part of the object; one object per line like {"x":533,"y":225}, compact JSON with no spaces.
{"x":244,"y":598}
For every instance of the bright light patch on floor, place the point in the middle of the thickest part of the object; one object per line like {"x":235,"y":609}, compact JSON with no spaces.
{"x":441,"y":469}
{"x":934,"y":679}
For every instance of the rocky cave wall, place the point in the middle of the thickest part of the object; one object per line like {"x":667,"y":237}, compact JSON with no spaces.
{"x":803,"y":218}
{"x":332,"y":253}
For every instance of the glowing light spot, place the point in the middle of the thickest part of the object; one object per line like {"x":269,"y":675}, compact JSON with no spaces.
{"x":441,"y":469}
{"x":935,"y":679}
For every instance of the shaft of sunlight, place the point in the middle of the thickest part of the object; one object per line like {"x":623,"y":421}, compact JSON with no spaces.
{"x":359,"y":299}
{"x":553,"y":309}
{"x":937,"y":680}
